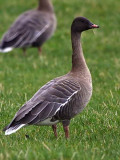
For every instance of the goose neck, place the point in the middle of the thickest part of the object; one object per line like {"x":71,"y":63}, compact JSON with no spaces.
{"x":78,"y":60}
{"x":45,"y":5}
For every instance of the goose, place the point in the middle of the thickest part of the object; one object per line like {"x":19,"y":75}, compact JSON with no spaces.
{"x":62,"y":98}
{"x":31,"y":29}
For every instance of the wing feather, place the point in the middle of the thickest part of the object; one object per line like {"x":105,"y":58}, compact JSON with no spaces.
{"x":25,"y":112}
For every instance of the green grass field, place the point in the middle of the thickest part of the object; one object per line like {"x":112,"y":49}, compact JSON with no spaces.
{"x":95,"y":133}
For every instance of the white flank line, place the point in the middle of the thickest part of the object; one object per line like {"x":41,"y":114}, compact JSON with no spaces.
{"x":66,"y":101}
{"x":41,"y":32}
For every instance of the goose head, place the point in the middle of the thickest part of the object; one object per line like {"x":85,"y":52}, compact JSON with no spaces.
{"x":81,"y":24}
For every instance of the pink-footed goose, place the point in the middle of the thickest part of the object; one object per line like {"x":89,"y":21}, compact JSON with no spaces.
{"x":62,"y":98}
{"x":31,"y":29}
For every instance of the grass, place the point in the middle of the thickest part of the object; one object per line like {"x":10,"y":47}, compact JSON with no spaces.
{"x":95,"y":133}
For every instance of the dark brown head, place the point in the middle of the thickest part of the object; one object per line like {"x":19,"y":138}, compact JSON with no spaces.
{"x":81,"y":24}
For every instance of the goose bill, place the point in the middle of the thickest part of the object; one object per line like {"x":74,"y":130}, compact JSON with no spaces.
{"x":95,"y":26}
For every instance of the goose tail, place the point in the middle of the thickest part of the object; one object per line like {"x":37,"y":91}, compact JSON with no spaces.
{"x":12,"y":129}
{"x":5,"y":47}
{"x":5,"y":50}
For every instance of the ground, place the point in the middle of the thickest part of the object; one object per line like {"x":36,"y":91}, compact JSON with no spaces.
{"x":95,"y":133}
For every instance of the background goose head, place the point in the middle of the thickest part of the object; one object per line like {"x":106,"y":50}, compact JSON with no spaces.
{"x":81,"y":24}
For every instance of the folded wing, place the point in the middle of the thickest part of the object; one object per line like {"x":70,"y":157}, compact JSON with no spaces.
{"x":45,"y":103}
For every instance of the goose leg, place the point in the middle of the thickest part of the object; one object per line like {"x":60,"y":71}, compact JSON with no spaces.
{"x":39,"y":50}
{"x":54,"y":127}
{"x":66,"y":128}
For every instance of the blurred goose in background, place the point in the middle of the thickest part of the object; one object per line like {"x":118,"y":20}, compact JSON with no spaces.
{"x":31,"y":29}
{"x":62,"y":98}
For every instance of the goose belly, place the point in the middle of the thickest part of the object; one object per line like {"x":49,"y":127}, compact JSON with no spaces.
{"x":47,"y":122}
{"x":81,"y":100}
